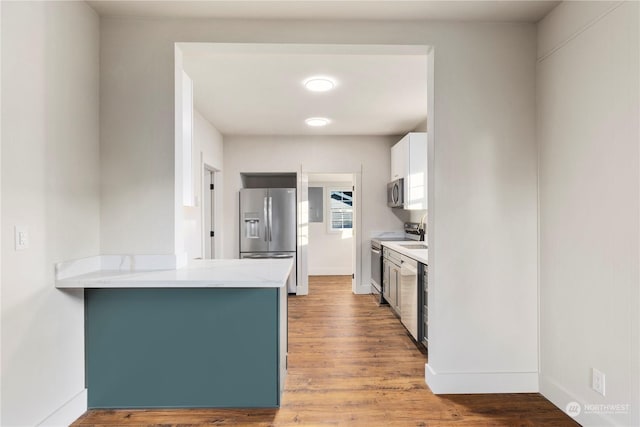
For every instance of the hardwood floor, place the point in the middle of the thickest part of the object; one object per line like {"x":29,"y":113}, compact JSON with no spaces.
{"x":351,"y":363}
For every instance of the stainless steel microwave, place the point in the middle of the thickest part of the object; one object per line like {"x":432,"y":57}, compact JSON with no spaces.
{"x":395,"y":193}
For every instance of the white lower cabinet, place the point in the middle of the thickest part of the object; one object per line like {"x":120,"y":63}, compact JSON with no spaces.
{"x":391,"y":279}
{"x":405,"y":288}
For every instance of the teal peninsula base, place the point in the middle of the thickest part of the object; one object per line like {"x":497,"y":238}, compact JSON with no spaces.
{"x":185,"y":347}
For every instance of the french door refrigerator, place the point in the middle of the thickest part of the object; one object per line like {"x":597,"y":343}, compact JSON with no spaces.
{"x":268,"y":225}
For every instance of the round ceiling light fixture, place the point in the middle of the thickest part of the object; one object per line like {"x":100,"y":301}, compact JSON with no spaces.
{"x":319,"y":84}
{"x":317,"y":121}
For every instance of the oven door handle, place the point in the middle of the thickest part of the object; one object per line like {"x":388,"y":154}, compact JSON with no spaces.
{"x":375,"y":251}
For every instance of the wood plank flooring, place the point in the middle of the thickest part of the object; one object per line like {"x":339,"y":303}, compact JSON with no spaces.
{"x":351,"y":363}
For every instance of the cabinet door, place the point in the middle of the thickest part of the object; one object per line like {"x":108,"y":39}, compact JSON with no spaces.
{"x":399,"y":159}
{"x":385,"y":279}
{"x":415,"y":195}
{"x":397,"y":298}
{"x":393,"y":287}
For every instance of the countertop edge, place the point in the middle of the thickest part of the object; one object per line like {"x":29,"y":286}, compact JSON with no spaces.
{"x":232,"y":273}
{"x":415,"y":254}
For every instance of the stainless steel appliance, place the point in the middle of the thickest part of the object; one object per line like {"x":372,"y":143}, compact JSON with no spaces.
{"x":395,"y":193}
{"x":376,"y":270}
{"x":409,"y":295}
{"x":268,"y":225}
{"x":412,"y":231}
{"x":423,"y":288}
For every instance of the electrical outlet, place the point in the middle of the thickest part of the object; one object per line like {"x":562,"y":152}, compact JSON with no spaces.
{"x":597,"y":381}
{"x":21,"y":237}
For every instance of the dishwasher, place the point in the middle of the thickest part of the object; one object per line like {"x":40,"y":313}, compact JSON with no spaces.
{"x":409,"y":295}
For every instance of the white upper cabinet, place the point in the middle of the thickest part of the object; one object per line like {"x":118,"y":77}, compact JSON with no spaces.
{"x":399,"y":158}
{"x":409,"y":161}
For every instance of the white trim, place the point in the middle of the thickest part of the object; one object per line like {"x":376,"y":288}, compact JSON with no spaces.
{"x":481,"y":382}
{"x":330,"y":271}
{"x":68,"y":412}
{"x":362,"y":289}
{"x":302,"y":233}
{"x":430,"y":238}
{"x":194,"y":48}
{"x":1,"y":311}
{"x":186,"y":142}
{"x":357,"y":285}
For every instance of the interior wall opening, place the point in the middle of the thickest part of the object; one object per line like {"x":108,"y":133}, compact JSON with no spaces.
{"x":332,"y":225}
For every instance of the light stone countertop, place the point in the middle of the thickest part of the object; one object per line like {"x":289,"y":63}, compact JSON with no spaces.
{"x":227,"y":273}
{"x":420,"y":255}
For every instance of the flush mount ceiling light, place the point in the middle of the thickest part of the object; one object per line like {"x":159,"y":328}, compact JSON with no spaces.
{"x":317,"y":121}
{"x":319,"y":84}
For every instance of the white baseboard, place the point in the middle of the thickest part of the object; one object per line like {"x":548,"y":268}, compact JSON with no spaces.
{"x":67,"y":413}
{"x":481,"y":382}
{"x":329,"y":271}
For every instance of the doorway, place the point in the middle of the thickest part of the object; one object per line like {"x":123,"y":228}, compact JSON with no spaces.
{"x":234,"y":66}
{"x":332,"y":220}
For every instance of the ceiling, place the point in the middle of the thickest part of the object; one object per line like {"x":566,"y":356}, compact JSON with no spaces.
{"x":245,"y":89}
{"x":259,"y":90}
{"x":488,"y":11}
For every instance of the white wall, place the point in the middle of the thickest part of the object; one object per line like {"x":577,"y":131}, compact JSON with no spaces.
{"x":484,"y":318}
{"x":330,"y":253}
{"x":136,"y":140}
{"x":482,"y":221}
{"x":588,"y":126}
{"x":50,"y":184}
{"x":207,"y":150}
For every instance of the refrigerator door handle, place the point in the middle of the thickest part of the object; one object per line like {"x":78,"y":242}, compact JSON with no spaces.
{"x":266,"y":220}
{"x":270,"y":217}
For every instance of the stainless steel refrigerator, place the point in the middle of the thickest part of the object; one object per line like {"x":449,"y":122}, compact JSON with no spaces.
{"x":268,"y":225}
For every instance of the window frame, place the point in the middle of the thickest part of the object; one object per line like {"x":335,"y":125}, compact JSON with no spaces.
{"x":329,"y":211}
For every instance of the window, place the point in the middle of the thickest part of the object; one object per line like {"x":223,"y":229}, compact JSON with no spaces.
{"x":340,"y":209}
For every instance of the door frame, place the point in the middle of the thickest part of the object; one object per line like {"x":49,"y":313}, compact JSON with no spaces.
{"x":215,"y":219}
{"x":303,"y":232}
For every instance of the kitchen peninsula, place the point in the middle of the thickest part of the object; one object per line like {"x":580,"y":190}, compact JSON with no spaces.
{"x":211,"y":334}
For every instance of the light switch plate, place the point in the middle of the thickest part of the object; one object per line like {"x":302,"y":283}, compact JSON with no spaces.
{"x":21,"y":237}
{"x":597,"y":381}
